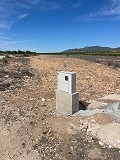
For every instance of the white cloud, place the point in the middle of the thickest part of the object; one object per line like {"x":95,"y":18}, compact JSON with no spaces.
{"x":12,"y":42}
{"x":76,"y":5}
{"x":15,"y":10}
{"x":22,"y":16}
{"x":115,"y":1}
{"x":48,"y":5}
{"x":10,"y":11}
{"x":113,"y":9}
{"x":90,"y":17}
{"x":9,"y":42}
{"x":4,"y":25}
{"x":110,"y":12}
{"x":22,"y":5}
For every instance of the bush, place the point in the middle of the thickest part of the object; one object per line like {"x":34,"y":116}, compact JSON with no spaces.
{"x":7,"y":56}
{"x":5,"y":60}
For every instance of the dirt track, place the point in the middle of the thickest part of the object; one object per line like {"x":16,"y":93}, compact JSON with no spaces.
{"x":30,"y":129}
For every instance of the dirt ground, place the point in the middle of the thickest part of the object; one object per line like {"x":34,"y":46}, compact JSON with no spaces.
{"x":30,"y":129}
{"x":113,"y":61}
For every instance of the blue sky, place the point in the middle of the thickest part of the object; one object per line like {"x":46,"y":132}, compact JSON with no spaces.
{"x":56,"y":25}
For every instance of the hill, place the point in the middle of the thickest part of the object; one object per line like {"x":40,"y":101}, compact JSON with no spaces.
{"x":92,"y":49}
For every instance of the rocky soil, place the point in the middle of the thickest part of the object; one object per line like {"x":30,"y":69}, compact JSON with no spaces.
{"x":30,"y":129}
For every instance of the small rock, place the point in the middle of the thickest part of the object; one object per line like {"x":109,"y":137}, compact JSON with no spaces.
{"x":43,"y":100}
{"x":110,"y":146}
{"x":71,"y":148}
{"x":26,"y":76}
{"x":101,"y":143}
{"x":83,"y":130}
{"x":25,"y":97}
{"x":7,"y":76}
{"x":53,"y":113}
{"x":118,"y":141}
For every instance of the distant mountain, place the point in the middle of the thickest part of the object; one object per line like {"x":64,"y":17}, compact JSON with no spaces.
{"x":92,"y":49}
{"x":118,"y":49}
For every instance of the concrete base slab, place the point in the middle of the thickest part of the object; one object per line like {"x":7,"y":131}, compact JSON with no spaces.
{"x":67,"y":103}
{"x":96,"y":104}
{"x":103,"y":101}
{"x":111,"y":109}
{"x":113,"y":97}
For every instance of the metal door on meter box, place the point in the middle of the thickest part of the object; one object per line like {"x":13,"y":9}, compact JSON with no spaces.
{"x":66,"y":82}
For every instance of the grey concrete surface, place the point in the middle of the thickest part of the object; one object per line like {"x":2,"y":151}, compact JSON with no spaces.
{"x":111,"y":109}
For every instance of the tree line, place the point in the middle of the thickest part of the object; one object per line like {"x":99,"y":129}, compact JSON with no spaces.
{"x":19,"y":52}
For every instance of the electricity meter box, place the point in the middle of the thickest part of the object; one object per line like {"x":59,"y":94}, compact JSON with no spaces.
{"x":66,"y":82}
{"x":67,"y":99}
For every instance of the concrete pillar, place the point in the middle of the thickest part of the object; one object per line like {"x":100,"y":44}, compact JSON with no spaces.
{"x":67,"y":103}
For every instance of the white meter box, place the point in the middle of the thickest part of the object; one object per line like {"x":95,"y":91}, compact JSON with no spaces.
{"x":66,"y":82}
